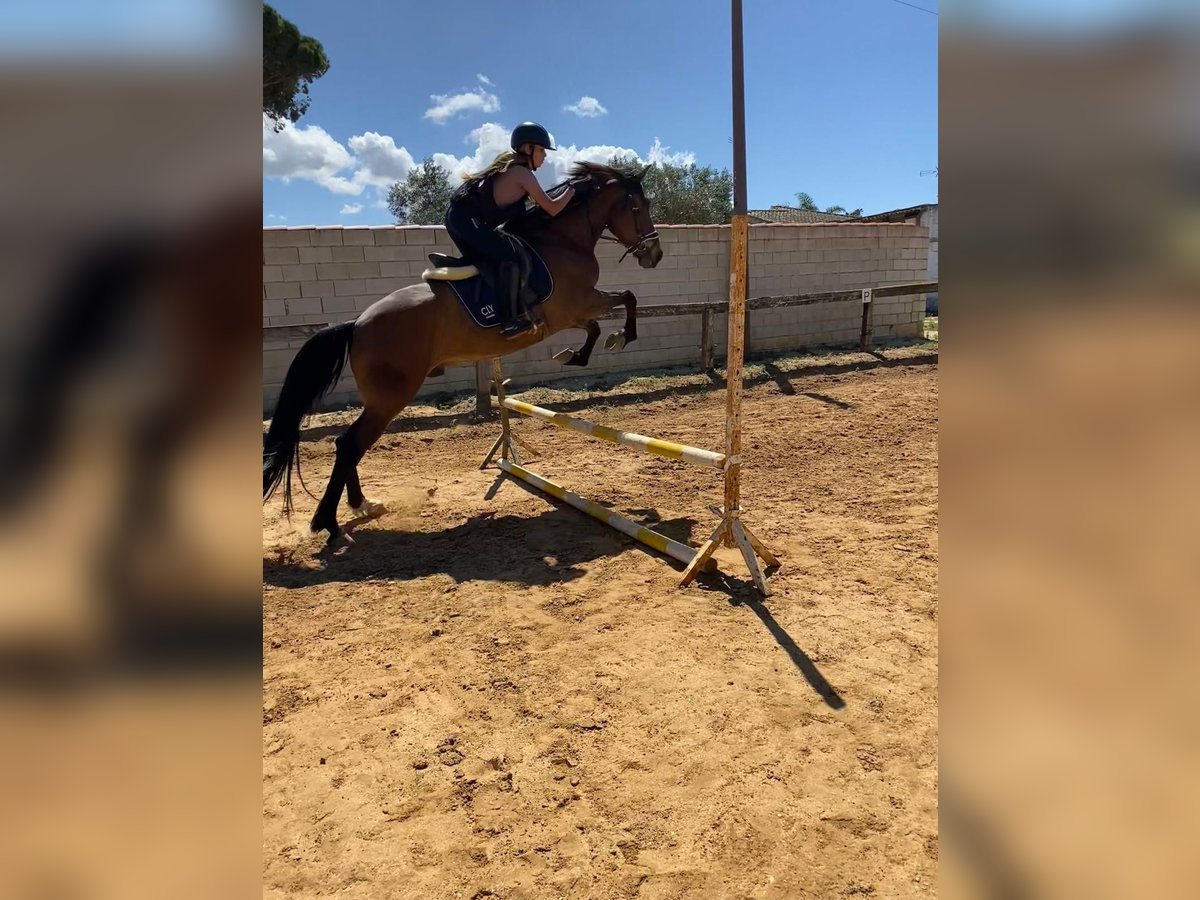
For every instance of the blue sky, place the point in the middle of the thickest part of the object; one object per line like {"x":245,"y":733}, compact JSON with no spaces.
{"x":841,"y":96}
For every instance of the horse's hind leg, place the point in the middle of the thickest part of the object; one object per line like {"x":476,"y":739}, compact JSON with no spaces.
{"x":351,"y":446}
{"x":358,"y":503}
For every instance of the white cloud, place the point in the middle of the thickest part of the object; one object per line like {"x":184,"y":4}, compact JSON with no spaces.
{"x":659,"y":154}
{"x":373,"y":162}
{"x":380,"y":162}
{"x":483,"y":79}
{"x":559,"y":163}
{"x":276,"y":218}
{"x":308,"y":152}
{"x":491,"y":139}
{"x":447,"y":106}
{"x":587,"y":108}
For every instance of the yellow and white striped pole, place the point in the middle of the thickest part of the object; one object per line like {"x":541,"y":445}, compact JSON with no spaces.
{"x":668,"y":449}
{"x":659,"y":542}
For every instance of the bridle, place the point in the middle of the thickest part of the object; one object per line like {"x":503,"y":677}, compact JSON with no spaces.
{"x":639,"y":247}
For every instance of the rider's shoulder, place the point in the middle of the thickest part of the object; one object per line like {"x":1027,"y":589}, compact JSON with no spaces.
{"x":520,"y":174}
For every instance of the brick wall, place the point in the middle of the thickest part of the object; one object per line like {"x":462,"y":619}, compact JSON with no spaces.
{"x":323,"y":275}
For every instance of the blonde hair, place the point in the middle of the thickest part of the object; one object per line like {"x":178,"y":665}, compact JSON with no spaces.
{"x":501,"y":163}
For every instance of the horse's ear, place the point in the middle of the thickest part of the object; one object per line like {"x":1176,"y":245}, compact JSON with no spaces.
{"x":642,"y":174}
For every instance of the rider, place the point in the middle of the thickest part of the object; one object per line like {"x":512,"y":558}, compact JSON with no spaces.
{"x":488,"y":199}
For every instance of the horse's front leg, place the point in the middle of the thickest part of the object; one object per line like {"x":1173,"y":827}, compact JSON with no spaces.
{"x":580,"y":357}
{"x":620,"y":339}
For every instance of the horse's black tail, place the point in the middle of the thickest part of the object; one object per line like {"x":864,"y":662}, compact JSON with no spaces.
{"x":316,"y":369}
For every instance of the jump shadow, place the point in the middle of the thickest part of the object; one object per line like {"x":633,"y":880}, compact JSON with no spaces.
{"x":771,"y":372}
{"x":678,"y":529}
{"x":780,"y":378}
{"x":825,"y":398}
{"x":799,"y":658}
{"x":549,"y":548}
{"x":742,"y":592}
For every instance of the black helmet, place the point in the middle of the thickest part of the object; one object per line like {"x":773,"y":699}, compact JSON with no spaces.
{"x":531,"y":133}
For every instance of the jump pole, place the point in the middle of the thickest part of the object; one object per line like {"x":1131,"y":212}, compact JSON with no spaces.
{"x":640,"y":533}
{"x":667,"y":449}
{"x":509,"y":462}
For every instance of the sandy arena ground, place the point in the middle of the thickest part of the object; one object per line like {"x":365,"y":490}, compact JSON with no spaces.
{"x":504,"y":698}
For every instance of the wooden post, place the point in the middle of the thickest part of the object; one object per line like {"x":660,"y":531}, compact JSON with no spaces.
{"x":731,"y":530}
{"x":706,"y":342}
{"x":506,"y":444}
{"x":864,"y":337}
{"x":734,"y":364}
{"x":483,"y":388}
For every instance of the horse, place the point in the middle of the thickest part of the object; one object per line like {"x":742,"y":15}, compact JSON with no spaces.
{"x":413,"y":332}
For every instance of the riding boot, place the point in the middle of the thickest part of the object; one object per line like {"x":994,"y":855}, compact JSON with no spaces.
{"x":510,"y":298}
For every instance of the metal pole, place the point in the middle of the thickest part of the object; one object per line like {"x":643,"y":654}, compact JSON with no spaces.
{"x":739,"y":115}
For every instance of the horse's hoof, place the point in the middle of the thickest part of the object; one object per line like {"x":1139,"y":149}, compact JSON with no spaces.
{"x":340,"y":542}
{"x":615,"y":341}
{"x":370,"y":509}
{"x":564,"y":356}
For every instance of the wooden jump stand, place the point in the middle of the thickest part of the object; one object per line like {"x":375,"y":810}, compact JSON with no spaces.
{"x":731,"y":531}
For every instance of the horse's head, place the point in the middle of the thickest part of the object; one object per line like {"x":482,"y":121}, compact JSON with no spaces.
{"x":628,"y":207}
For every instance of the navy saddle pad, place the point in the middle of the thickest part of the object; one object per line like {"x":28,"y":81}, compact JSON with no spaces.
{"x":480,"y":300}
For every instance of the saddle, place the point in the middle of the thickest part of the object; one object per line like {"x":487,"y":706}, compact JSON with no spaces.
{"x":477,"y":295}
{"x":456,"y":268}
{"x":448,"y":268}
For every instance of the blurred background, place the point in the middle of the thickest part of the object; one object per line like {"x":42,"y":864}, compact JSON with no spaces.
{"x":130,"y":429}
{"x":1070,"y":438}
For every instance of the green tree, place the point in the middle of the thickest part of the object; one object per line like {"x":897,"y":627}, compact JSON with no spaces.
{"x":686,"y":195}
{"x":291,"y":62}
{"x":423,"y":197}
{"x":808,"y":204}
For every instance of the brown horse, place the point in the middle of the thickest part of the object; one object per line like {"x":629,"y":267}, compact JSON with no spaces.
{"x":395,"y":344}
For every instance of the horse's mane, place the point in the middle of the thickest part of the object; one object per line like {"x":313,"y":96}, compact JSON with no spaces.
{"x":627,"y":174}
{"x":536,"y":220}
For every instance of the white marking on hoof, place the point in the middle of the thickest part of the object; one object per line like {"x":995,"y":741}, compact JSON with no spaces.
{"x":564,"y":356}
{"x":615,"y":341}
{"x":341,"y":543}
{"x":369,"y":510}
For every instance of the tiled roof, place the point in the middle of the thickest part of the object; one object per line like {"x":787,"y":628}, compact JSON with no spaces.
{"x":792,"y":214}
{"x":899,"y":215}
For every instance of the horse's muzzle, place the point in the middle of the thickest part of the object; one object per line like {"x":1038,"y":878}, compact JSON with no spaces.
{"x":651,"y":254}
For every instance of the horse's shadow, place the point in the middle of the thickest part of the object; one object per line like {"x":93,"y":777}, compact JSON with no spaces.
{"x":550,"y":548}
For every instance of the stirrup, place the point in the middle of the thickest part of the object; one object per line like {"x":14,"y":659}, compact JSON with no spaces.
{"x":515,"y":328}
